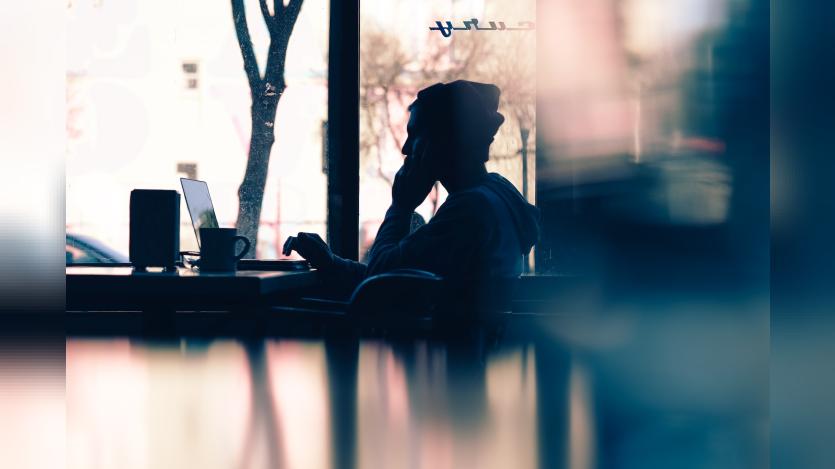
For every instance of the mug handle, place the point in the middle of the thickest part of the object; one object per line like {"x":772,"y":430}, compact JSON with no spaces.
{"x":246,"y":248}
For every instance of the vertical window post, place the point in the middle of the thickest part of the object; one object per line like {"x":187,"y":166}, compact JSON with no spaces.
{"x":343,"y":128}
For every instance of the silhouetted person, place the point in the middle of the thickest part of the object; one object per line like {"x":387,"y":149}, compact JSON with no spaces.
{"x":484,"y":227}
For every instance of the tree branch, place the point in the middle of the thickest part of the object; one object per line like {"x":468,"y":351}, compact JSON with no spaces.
{"x":245,"y":43}
{"x":274,"y":72}
{"x":287,"y":19}
{"x":280,"y":40}
{"x":292,"y":12}
{"x":388,"y":120}
{"x":268,"y":19}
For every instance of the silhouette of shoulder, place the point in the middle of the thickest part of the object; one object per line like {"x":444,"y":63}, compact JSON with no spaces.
{"x":470,"y":208}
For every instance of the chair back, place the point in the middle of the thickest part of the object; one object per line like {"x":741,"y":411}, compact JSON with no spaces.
{"x":400,"y":292}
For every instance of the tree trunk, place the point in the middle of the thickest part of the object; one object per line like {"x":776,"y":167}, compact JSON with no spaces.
{"x":265,"y":93}
{"x":524,"y":134}
{"x":251,"y":190}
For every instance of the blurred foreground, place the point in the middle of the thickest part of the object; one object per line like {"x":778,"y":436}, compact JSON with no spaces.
{"x":659,"y":387}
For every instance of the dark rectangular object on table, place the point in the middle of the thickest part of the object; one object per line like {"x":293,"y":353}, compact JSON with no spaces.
{"x":154,"y":228}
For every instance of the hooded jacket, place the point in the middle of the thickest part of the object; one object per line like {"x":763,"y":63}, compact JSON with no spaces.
{"x":481,"y":232}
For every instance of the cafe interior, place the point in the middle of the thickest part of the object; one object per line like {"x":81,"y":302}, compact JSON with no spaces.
{"x":201,"y":136}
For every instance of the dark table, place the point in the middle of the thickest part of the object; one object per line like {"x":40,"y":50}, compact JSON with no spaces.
{"x":121,"y":287}
{"x":116,"y":298}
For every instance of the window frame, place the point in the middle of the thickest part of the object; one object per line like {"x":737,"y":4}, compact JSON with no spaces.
{"x":343,"y":128}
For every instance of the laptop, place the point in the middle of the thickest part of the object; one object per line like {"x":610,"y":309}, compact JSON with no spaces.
{"x":202,"y":213}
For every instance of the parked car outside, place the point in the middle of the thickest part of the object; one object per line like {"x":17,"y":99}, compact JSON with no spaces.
{"x":86,"y":250}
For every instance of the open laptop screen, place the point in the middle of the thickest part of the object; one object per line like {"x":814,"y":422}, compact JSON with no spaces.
{"x":199,"y":204}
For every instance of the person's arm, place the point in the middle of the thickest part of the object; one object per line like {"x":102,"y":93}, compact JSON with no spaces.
{"x":412,"y":184}
{"x":352,"y":271}
{"x":394,"y":228}
{"x":314,"y":249}
{"x":442,"y":246}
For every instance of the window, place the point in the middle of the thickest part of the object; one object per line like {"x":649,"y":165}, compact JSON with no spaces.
{"x":190,"y":70}
{"x":188,"y":170}
{"x":399,"y":55}
{"x":157,"y":89}
{"x":630,"y":120}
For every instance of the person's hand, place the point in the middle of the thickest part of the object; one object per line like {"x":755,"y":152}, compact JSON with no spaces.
{"x":312,"y":247}
{"x":414,"y":180}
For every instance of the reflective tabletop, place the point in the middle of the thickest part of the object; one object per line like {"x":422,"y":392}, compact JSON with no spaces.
{"x":625,"y":391}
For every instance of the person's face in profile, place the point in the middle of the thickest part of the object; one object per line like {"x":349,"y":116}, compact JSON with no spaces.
{"x":415,"y":137}
{"x":421,"y":143}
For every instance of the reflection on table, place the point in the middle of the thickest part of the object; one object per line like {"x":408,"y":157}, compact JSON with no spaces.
{"x":224,"y":404}
{"x":638,"y":394}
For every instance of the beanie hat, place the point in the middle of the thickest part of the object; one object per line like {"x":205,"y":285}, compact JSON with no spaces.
{"x":465,"y":112}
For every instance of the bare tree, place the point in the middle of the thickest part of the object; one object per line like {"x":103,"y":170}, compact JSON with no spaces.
{"x":382,"y":65}
{"x":390,"y":78}
{"x":265,"y":92}
{"x":514,"y":72}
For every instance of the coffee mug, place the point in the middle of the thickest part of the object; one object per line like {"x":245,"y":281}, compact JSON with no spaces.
{"x":217,"y":249}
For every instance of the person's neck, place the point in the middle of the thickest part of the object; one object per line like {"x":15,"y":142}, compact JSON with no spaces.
{"x":466,"y":180}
